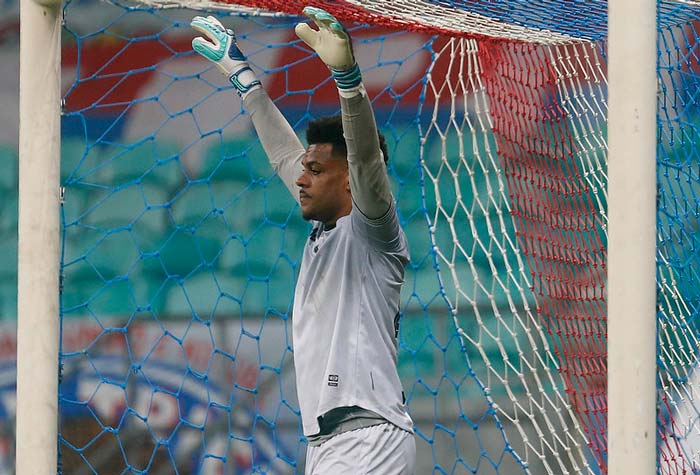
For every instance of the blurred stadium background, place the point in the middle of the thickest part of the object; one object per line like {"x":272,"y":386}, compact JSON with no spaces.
{"x":180,"y":253}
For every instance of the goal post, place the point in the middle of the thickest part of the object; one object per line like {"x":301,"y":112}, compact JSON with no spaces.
{"x":39,"y":238}
{"x":632,"y":185}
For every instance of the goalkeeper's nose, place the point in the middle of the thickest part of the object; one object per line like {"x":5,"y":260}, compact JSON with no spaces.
{"x":303,"y":180}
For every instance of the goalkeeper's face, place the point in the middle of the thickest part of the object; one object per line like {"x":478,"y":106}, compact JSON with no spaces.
{"x":324,"y":187}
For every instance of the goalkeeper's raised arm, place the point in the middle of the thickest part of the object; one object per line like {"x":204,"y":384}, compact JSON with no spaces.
{"x":365,"y":152}
{"x":277,"y":137}
{"x":369,"y":182}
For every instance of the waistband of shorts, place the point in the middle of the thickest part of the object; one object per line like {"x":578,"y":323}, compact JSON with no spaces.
{"x":347,"y":426}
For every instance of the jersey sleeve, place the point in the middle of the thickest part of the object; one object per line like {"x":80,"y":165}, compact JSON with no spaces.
{"x":282,"y":146}
{"x":384,"y":234}
{"x":369,"y":180}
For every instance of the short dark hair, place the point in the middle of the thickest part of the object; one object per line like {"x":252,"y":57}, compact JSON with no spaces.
{"x":329,"y":129}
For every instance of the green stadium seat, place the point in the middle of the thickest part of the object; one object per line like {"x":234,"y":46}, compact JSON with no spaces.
{"x":86,"y":292}
{"x":9,"y":212}
{"x":112,"y":254}
{"x":242,"y":205}
{"x":262,"y":288}
{"x":263,"y":248}
{"x":278,"y":199}
{"x":167,"y":174}
{"x":113,"y":208}
{"x":210,"y":293}
{"x":281,"y":286}
{"x":296,"y":232}
{"x":122,"y":207}
{"x":192,"y":204}
{"x":77,"y":201}
{"x":114,"y":298}
{"x":221,"y":166}
{"x":403,"y":152}
{"x":113,"y":166}
{"x":194,"y":293}
{"x":72,"y":152}
{"x":151,"y":161}
{"x":149,"y":283}
{"x":8,"y":298}
{"x":184,"y":252}
{"x":257,"y":273}
{"x":236,"y":159}
{"x":8,"y":256}
{"x":140,"y":279}
{"x":259,"y":162}
{"x":9,"y":161}
{"x":237,"y":201}
{"x":418,"y":237}
{"x":409,"y":199}
{"x":84,"y":163}
{"x":8,"y":190}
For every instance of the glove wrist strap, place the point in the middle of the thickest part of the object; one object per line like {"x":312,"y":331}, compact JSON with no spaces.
{"x":244,"y":80}
{"x":347,"y":78}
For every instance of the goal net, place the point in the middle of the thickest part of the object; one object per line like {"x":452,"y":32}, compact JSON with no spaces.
{"x":181,"y":247}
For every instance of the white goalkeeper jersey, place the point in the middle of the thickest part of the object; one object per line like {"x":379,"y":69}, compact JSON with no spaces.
{"x":347,"y":298}
{"x":345,"y":309}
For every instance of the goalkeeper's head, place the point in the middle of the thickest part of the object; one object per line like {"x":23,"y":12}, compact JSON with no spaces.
{"x":324,"y":182}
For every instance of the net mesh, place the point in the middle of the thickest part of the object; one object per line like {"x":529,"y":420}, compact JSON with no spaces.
{"x":181,"y":247}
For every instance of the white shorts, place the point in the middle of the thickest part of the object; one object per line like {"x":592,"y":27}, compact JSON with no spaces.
{"x":383,"y":449}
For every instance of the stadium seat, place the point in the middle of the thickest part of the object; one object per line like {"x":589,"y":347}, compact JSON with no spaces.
{"x":278,"y":199}
{"x":85,"y":291}
{"x":404,"y":147}
{"x":77,"y":201}
{"x":263,"y":247}
{"x":196,"y":293}
{"x":150,"y":161}
{"x":8,"y":256}
{"x":10,"y":166}
{"x":282,"y":283}
{"x":122,"y":207}
{"x":184,"y":252}
{"x":8,"y":191}
{"x":296,"y":232}
{"x":238,"y":201}
{"x":84,"y":163}
{"x":112,"y":254}
{"x":72,"y":152}
{"x":8,"y":298}
{"x":409,"y":199}
{"x":235,"y":160}
{"x":219,"y":293}
{"x":8,"y":212}
{"x":8,"y":272}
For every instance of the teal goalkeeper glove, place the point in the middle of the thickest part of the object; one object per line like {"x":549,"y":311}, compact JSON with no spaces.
{"x":220,"y":48}
{"x":332,"y":44}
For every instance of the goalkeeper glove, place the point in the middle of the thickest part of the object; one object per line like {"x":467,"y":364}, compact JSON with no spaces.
{"x":220,"y":48}
{"x":332,"y":44}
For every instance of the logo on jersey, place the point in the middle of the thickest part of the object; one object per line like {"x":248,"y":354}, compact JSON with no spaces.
{"x":333,"y":380}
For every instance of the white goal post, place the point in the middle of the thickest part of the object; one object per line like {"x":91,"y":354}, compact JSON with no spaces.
{"x":39,"y":238}
{"x":632,"y":237}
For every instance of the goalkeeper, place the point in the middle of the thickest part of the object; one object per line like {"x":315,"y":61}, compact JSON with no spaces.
{"x":346,"y":302}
